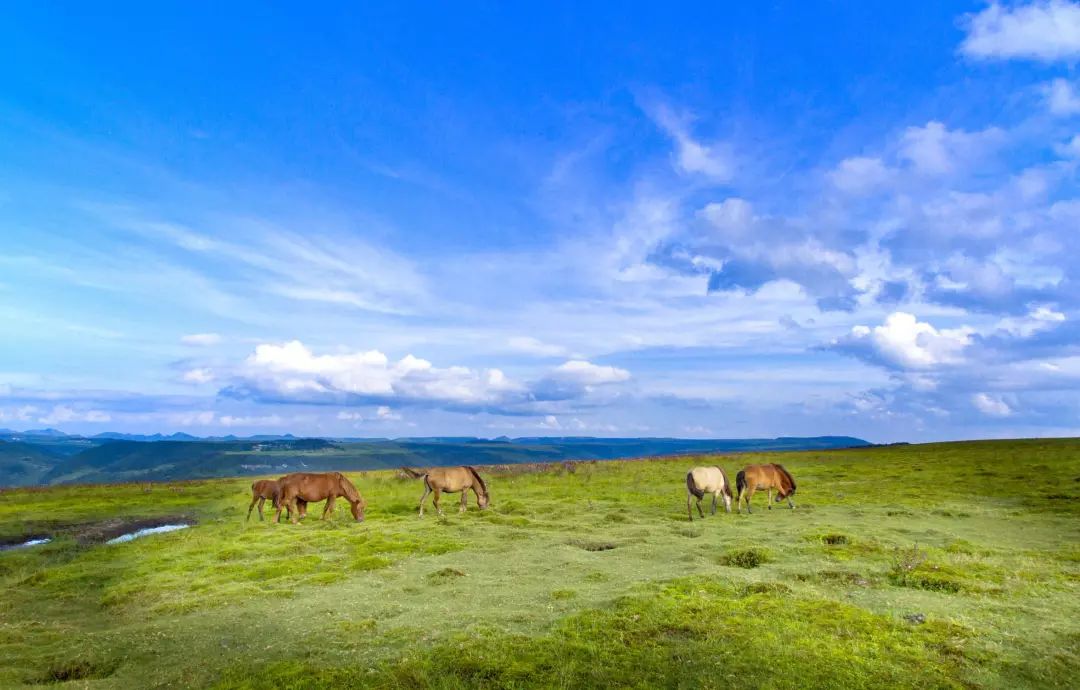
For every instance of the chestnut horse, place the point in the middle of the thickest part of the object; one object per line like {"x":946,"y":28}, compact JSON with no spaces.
{"x":264,"y":489}
{"x":707,"y":480}
{"x":453,"y":480}
{"x":770,"y":476}
{"x":308,"y":487}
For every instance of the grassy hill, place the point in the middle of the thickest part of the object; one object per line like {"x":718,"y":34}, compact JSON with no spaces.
{"x":943,"y":565}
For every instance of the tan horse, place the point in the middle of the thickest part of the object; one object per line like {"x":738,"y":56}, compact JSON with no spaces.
{"x":264,"y":489}
{"x":308,"y":487}
{"x":770,"y":476}
{"x":453,"y":480}
{"x":707,"y":480}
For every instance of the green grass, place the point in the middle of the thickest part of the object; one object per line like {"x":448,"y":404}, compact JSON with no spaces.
{"x":578,"y":579}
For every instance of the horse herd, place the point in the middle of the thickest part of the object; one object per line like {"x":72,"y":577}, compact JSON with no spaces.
{"x":293,"y":492}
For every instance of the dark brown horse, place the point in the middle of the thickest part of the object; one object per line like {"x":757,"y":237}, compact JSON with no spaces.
{"x":453,"y":480}
{"x":770,"y":476}
{"x":270,"y":489}
{"x":307,"y":487}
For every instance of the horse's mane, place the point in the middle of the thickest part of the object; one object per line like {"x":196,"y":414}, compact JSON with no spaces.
{"x":477,"y":477}
{"x":791,"y":480}
{"x":348,"y":488}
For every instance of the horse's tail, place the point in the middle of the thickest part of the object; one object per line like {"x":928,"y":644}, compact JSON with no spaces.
{"x":740,"y":481}
{"x":412,"y":474}
{"x":727,"y":484}
{"x":791,"y":480}
{"x":691,"y":485}
{"x":477,"y":477}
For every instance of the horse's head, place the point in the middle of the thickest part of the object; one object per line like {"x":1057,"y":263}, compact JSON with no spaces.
{"x":482,"y":500}
{"x":358,"y":507}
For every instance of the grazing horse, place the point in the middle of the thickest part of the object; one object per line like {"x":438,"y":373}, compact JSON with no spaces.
{"x":707,"y":480}
{"x":453,"y":480}
{"x":264,"y":489}
{"x":770,"y":476}
{"x":308,"y":487}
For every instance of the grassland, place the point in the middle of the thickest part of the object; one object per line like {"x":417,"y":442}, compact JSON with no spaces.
{"x":947,"y":565}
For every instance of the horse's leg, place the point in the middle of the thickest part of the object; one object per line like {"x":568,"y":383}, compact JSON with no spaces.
{"x":435,"y":500}
{"x":254,"y":500}
{"x":790,"y":502}
{"x":689,"y":508}
{"x":769,"y":506}
{"x":294,"y":511}
{"x":464,"y":501}
{"x":427,"y":490}
{"x":262,"y":502}
{"x":727,"y":502}
{"x":277,"y":513}
{"x":714,"y":503}
{"x":301,"y":504}
{"x":749,"y":495}
{"x":329,"y":509}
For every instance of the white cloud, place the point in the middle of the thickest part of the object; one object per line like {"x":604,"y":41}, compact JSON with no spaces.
{"x":860,"y":175}
{"x":292,"y":370}
{"x":934,"y":149}
{"x":991,"y":405}
{"x":201,"y":339}
{"x":20,"y":414}
{"x":1070,"y":149}
{"x":272,"y":420}
{"x":1042,"y":30}
{"x":61,"y":414}
{"x":1061,"y":98}
{"x":691,"y":156}
{"x":905,"y":342}
{"x":585,"y":373}
{"x":533,"y":346}
{"x":198,"y":376}
{"x":1039,"y":319}
{"x":732,"y":218}
{"x":350,"y":416}
{"x":385,"y":413}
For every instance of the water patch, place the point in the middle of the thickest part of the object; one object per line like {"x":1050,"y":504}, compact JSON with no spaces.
{"x":146,"y":531}
{"x":37,"y":541}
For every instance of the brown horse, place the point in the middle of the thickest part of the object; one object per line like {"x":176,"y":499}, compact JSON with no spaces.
{"x":453,"y":480}
{"x":707,"y":480}
{"x":770,"y":476}
{"x":264,"y":489}
{"x":307,"y":487}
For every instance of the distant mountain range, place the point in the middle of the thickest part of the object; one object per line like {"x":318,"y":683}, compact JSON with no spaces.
{"x":49,"y":456}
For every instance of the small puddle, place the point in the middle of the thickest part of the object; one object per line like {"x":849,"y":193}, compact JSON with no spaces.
{"x":146,"y":531}
{"x":30,"y":542}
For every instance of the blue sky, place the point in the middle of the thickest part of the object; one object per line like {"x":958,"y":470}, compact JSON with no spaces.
{"x":680,"y":219}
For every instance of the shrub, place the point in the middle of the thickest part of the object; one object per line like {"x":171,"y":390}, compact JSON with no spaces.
{"x":745,"y":558}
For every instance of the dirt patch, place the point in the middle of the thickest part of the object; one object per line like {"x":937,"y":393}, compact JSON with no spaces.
{"x":33,"y":539}
{"x":593,"y":545}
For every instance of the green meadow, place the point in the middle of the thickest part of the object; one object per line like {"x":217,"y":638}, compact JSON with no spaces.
{"x":941,"y":565}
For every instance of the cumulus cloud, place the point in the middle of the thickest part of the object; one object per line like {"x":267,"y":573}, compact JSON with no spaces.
{"x":62,"y":414}
{"x":201,"y":339}
{"x":1061,"y":98}
{"x":991,"y":405}
{"x":1044,"y":30}
{"x":291,"y":373}
{"x":588,"y":374}
{"x":860,"y":175}
{"x":903,"y":342}
{"x":198,"y":376}
{"x":934,"y":149}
